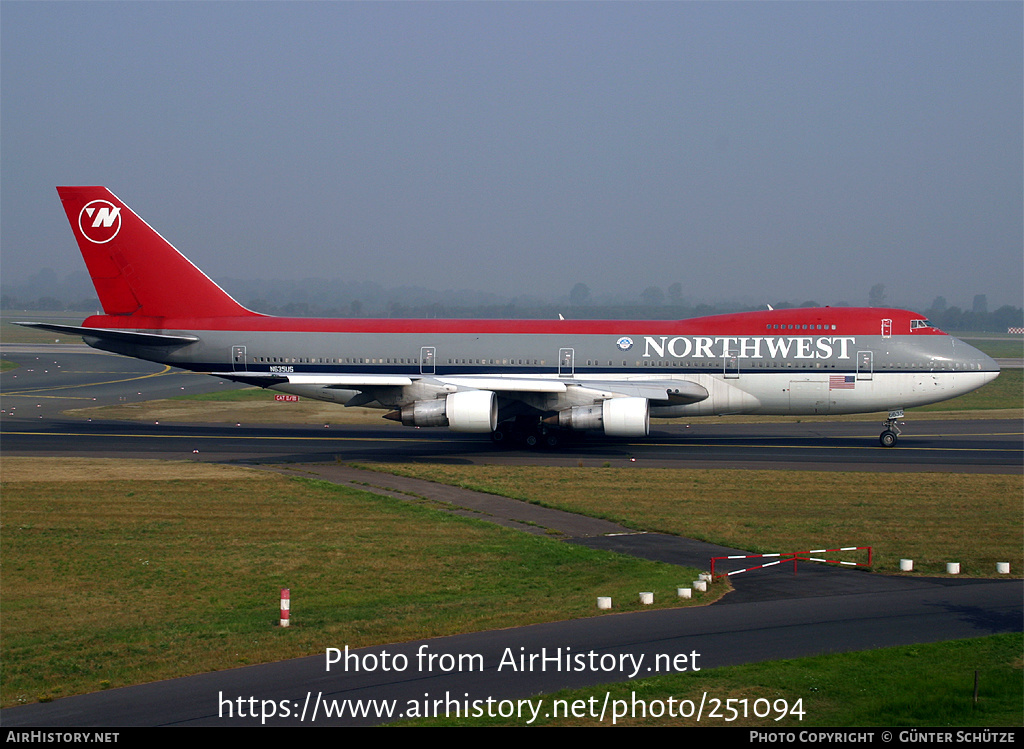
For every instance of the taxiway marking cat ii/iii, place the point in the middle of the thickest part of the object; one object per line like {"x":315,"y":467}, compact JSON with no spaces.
{"x":533,"y":379}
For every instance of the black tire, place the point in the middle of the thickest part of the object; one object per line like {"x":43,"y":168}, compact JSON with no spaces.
{"x":531,"y":440}
{"x":888,"y":438}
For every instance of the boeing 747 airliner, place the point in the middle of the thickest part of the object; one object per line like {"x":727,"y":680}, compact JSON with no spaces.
{"x":528,"y":379}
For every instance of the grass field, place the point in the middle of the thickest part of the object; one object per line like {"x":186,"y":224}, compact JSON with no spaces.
{"x":932,"y":518}
{"x":122,"y":572}
{"x":996,"y":346}
{"x":10,"y":333}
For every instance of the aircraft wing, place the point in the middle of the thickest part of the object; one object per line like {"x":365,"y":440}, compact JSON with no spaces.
{"x":676,"y":392}
{"x":338,"y":381}
{"x":673,"y":391}
{"x":659,"y":391}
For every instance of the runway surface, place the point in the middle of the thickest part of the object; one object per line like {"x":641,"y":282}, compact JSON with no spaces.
{"x":781,"y":616}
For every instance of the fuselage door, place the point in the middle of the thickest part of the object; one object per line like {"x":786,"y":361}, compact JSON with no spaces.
{"x":238,"y":359}
{"x":427,"y":356}
{"x":886,"y":328}
{"x":865,"y":364}
{"x":566,"y":362}
{"x":731,"y":367}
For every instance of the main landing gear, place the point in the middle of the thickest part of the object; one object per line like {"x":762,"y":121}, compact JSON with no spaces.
{"x":528,"y":432}
{"x":889,"y":437}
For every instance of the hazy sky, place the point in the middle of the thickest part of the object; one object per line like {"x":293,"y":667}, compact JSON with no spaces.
{"x":757,"y":151}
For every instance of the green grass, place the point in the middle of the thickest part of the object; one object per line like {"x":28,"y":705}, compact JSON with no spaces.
{"x":115,"y":582}
{"x":10,"y":333}
{"x":6,"y":365}
{"x":109,"y":581}
{"x":238,"y":395}
{"x":932,"y":518}
{"x":999,"y":347}
{"x":916,"y":685}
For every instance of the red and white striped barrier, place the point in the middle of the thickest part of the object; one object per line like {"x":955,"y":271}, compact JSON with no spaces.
{"x":1015,"y":331}
{"x":794,"y":556}
{"x":286,"y":605}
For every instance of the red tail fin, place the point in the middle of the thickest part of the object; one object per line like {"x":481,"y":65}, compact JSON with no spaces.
{"x":136,"y":271}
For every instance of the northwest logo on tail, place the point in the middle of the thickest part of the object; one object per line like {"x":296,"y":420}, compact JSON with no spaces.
{"x":99,"y":221}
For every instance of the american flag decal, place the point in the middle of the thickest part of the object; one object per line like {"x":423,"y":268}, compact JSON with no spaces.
{"x":841,"y":382}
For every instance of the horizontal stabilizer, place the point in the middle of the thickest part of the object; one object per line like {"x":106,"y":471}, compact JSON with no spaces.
{"x":122,"y":336}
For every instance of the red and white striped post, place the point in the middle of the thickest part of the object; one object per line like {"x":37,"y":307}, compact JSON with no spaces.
{"x":794,"y":556}
{"x":286,"y":605}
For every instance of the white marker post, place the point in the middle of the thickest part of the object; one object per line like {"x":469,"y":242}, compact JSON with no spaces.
{"x":286,"y":606}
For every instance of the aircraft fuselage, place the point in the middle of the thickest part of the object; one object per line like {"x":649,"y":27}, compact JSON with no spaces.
{"x":773,"y":362}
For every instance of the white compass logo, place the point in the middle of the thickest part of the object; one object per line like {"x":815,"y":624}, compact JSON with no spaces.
{"x":99,"y":221}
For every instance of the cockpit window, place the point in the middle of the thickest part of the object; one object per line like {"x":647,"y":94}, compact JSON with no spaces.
{"x":915,"y":324}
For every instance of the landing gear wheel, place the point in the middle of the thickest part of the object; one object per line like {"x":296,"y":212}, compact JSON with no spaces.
{"x":891,"y":433}
{"x":531,"y":440}
{"x":498,"y":436}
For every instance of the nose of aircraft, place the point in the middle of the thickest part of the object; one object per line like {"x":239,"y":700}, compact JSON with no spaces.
{"x":974,"y":361}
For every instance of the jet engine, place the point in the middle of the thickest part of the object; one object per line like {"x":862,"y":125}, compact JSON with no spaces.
{"x":618,"y":417}
{"x":464,"y":411}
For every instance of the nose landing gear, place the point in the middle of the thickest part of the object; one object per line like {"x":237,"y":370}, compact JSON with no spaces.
{"x":890,"y":435}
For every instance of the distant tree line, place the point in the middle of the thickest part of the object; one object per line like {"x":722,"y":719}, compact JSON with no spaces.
{"x":977,"y":318}
{"x":332,"y":298}
{"x":944,"y":317}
